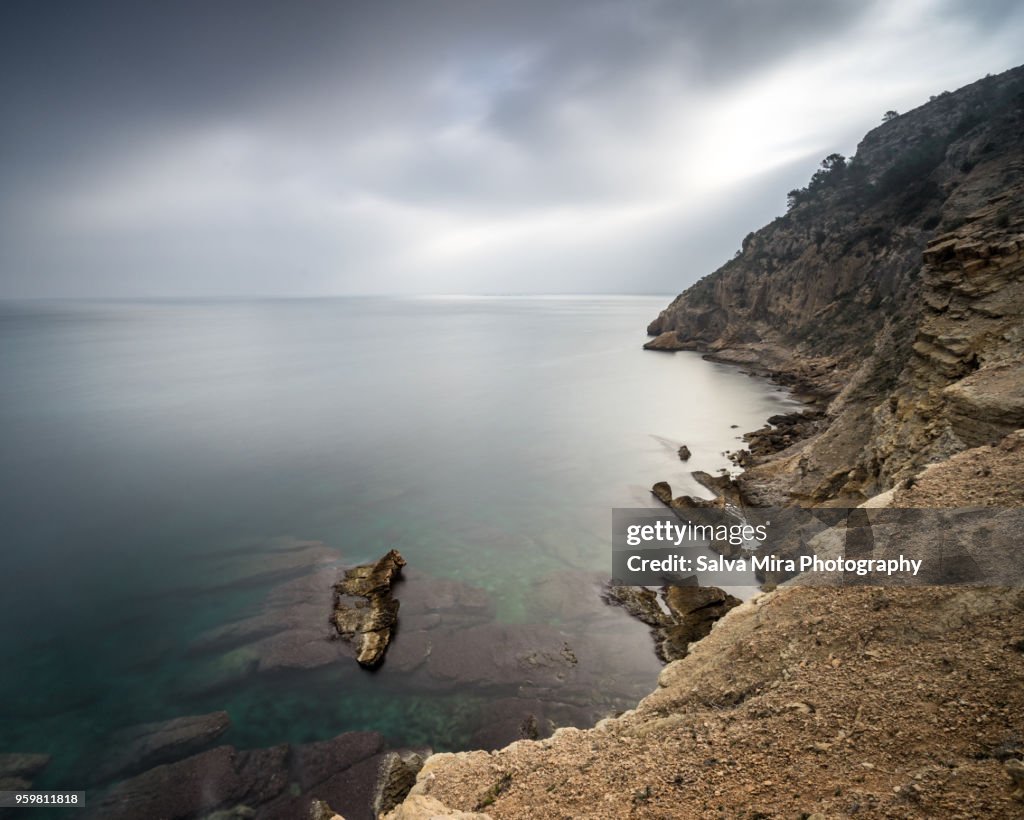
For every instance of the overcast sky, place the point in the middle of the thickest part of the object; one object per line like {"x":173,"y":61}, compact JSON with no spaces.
{"x":257,"y":147}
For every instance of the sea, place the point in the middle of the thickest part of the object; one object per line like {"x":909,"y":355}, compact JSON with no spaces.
{"x":174,"y":473}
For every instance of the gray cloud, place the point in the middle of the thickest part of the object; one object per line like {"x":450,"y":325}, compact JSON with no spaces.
{"x":316,"y":147}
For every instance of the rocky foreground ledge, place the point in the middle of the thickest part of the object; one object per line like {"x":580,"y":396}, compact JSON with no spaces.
{"x":803,"y":702}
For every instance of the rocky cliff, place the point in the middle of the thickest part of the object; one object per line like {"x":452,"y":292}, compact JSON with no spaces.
{"x":892,"y":292}
{"x":891,"y":295}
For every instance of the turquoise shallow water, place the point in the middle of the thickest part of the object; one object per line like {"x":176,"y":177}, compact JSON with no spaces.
{"x":161,"y":459}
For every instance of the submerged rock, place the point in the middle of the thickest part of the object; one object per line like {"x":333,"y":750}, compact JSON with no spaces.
{"x":425,"y":807}
{"x":694,"y":611}
{"x":364,"y":611}
{"x":141,"y":747}
{"x":278,"y":782}
{"x":17,"y":771}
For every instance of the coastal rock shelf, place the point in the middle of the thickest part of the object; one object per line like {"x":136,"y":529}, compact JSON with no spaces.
{"x":364,"y":610}
{"x":17,"y":771}
{"x":691,"y":612}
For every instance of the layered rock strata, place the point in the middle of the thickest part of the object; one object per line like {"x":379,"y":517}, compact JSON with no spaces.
{"x":891,"y":294}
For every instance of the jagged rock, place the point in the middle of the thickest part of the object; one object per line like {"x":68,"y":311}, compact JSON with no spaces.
{"x":663,"y":492}
{"x":783,"y":430}
{"x":665,"y":341}
{"x":142,"y":747}
{"x":684,"y":453}
{"x":368,"y":622}
{"x":722,"y":486}
{"x":397,"y":776}
{"x":987,"y":405}
{"x":691,"y":612}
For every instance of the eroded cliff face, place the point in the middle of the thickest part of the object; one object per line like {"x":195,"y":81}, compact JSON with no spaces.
{"x":892,"y":292}
{"x":963,"y":385}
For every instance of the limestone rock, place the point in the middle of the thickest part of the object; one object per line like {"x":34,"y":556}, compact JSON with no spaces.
{"x":640,"y":602}
{"x":663,"y":492}
{"x":424,"y":807}
{"x":694,"y":611}
{"x":364,"y":610}
{"x":668,"y":342}
{"x":396,"y":778}
{"x":691,"y":612}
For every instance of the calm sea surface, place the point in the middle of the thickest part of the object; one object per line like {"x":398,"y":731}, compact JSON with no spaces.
{"x":167,"y":466}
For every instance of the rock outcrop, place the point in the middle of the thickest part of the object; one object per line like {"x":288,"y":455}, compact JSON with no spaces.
{"x":688,"y":613}
{"x":365,"y":612}
{"x":663,"y":492}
